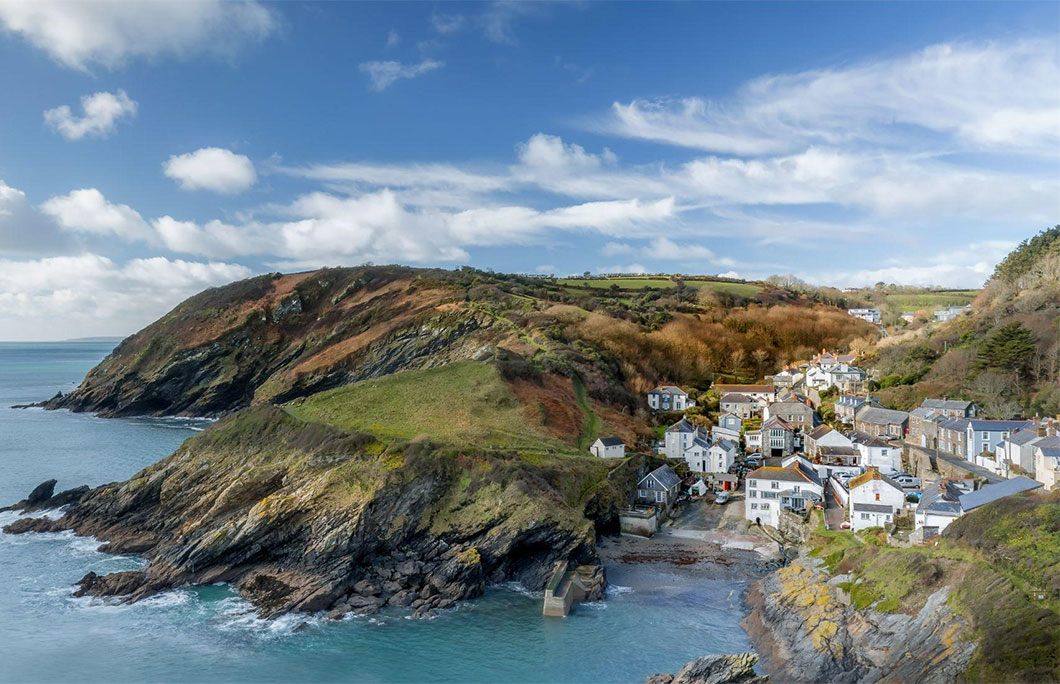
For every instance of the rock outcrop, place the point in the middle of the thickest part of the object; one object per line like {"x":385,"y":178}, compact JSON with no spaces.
{"x":304,"y":517}
{"x":721,"y":669}
{"x":805,"y":631}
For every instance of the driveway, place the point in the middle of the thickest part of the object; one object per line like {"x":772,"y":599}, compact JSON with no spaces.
{"x":834,"y":513}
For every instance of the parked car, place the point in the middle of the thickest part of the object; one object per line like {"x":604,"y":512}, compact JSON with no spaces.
{"x":908,"y":481}
{"x":721,"y":497}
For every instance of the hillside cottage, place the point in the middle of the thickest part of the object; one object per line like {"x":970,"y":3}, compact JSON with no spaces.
{"x":881,"y":422}
{"x":730,"y":422}
{"x":697,"y":455}
{"x":659,"y":486}
{"x":679,"y":437}
{"x":1017,"y":450}
{"x":951,"y":312}
{"x":874,"y":500}
{"x":924,"y":427}
{"x":847,"y":405}
{"x":951,"y":408}
{"x":877,"y":453}
{"x":942,"y":505}
{"x":787,"y":378}
{"x":722,"y":456}
{"x":952,"y":434}
{"x":1047,"y":461}
{"x":771,"y":489}
{"x":868,"y":315}
{"x":984,"y":435}
{"x":824,"y":436}
{"x":761,"y":393}
{"x":796,"y":414}
{"x":740,"y":405}
{"x":669,"y":398}
{"x":608,"y":447}
{"x":778,"y":438}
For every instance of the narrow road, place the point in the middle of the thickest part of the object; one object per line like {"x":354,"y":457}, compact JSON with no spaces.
{"x":958,"y":462}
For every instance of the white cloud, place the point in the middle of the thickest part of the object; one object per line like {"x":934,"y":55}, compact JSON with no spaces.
{"x":627,"y":268}
{"x":393,"y":38}
{"x":447,"y":23}
{"x":78,"y":34}
{"x":89,"y":294}
{"x":24,"y":230}
{"x":665,"y":249}
{"x":382,"y":75}
{"x":549,"y":152}
{"x":967,"y":267}
{"x":101,"y":113}
{"x":976,"y":96}
{"x":88,"y":211}
{"x":212,"y":168}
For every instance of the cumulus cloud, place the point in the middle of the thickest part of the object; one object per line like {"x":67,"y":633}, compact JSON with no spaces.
{"x":382,"y":75}
{"x":88,"y":211}
{"x":212,"y":168}
{"x":89,"y":294}
{"x":25,"y":230}
{"x":78,"y":34}
{"x":979,"y":96}
{"x":101,"y":112}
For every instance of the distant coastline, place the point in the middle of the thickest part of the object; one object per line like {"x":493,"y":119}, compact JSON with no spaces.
{"x":101,"y":338}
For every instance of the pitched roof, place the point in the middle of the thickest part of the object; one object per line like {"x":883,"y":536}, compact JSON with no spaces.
{"x":925,"y":413}
{"x":982,"y":425}
{"x":610,"y":441}
{"x":838,"y":451}
{"x":789,"y":406}
{"x":870,"y":475}
{"x":959,"y":424}
{"x":873,"y":508}
{"x":867,"y":440}
{"x":795,"y":472}
{"x":665,"y":475}
{"x":820,"y":431}
{"x":669,"y":389}
{"x":736,"y":398}
{"x":946,"y":404}
{"x":682,"y":426}
{"x":1024,"y":436}
{"x":776,"y":421}
{"x":876,"y":415}
{"x":993,"y":492}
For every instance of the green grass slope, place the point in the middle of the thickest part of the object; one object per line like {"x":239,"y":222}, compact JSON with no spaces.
{"x":465,"y":403}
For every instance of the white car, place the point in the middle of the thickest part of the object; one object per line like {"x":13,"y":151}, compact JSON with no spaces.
{"x":908,"y":481}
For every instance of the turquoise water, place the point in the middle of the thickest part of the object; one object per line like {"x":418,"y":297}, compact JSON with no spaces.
{"x":209,"y":634}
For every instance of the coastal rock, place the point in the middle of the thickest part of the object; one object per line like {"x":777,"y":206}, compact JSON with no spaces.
{"x":43,"y":498}
{"x":115,"y":584}
{"x":721,"y":669}
{"x":805,"y":632}
{"x":24,"y":525}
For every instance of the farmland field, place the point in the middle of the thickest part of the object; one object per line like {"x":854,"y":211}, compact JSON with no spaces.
{"x":741,"y":289}
{"x":930,"y":300}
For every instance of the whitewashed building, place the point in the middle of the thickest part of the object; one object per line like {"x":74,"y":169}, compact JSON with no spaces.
{"x":669,"y":398}
{"x":877,"y":453}
{"x":679,"y":436}
{"x":874,"y":500}
{"x":608,"y":447}
{"x":769,"y":490}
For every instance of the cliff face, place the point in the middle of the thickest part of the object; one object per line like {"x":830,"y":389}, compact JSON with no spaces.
{"x":305,"y":517}
{"x":805,"y":631}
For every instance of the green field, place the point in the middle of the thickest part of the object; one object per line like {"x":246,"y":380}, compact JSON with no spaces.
{"x":461,"y":403}
{"x":741,"y":289}
{"x":930,"y":300}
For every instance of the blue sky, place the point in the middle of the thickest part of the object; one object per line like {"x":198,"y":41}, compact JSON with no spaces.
{"x":149,"y":150}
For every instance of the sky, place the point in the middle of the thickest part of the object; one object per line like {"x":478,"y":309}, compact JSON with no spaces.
{"x":151,"y":150}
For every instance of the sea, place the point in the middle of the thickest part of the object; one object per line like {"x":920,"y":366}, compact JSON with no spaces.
{"x":654,"y":619}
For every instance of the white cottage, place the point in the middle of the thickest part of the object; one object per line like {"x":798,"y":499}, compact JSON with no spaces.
{"x":875,"y":500}
{"x":608,"y":447}
{"x":770,"y":489}
{"x":669,"y":398}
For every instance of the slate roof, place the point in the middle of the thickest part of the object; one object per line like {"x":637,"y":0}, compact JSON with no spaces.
{"x":875,"y":415}
{"x":665,"y":476}
{"x":767,"y":389}
{"x":925,"y":413}
{"x":726,"y":444}
{"x":934,"y":502}
{"x":980,"y":425}
{"x":793,"y":473}
{"x":872,"y":508}
{"x":669,"y":389}
{"x":682,"y":426}
{"x":776,"y":421}
{"x":611,"y":441}
{"x":1021,"y":437}
{"x":736,"y":398}
{"x":838,"y":451}
{"x":959,"y":424}
{"x":946,"y":404}
{"x":789,"y":406}
{"x":993,"y":492}
{"x":820,"y":431}
{"x":867,"y":440}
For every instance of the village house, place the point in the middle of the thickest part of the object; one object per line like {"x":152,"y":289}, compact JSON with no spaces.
{"x":752,"y":441}
{"x":1047,"y":461}
{"x":824,"y":436}
{"x":795,"y":413}
{"x":869,"y":315}
{"x":908,"y":316}
{"x":827,"y":360}
{"x":697,"y":455}
{"x":839,"y":456}
{"x":848,"y":378}
{"x":608,"y":447}
{"x":669,"y":398}
{"x":951,"y":312}
{"x":660,"y":487}
{"x":877,"y":453}
{"x":984,"y":435}
{"x":763,"y":394}
{"x":730,"y":422}
{"x":939,"y":506}
{"x":951,"y":408}
{"x":875,"y":500}
{"x":952,"y":434}
{"x":778,"y":438}
{"x":924,"y":427}
{"x":679,"y":437}
{"x":1017,"y":450}
{"x":881,"y":422}
{"x":771,"y":489}
{"x":740,"y":405}
{"x":847,"y":405}
{"x":719,"y":432}
{"x":787,"y":378}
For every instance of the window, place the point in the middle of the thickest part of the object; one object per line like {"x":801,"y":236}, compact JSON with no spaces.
{"x":797,"y":488}
{"x":754,"y":507}
{"x":774,"y":485}
{"x":864,"y":516}
{"x":877,"y":496}
{"x":752,"y":483}
{"x":753,"y":494}
{"x":765,"y":507}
